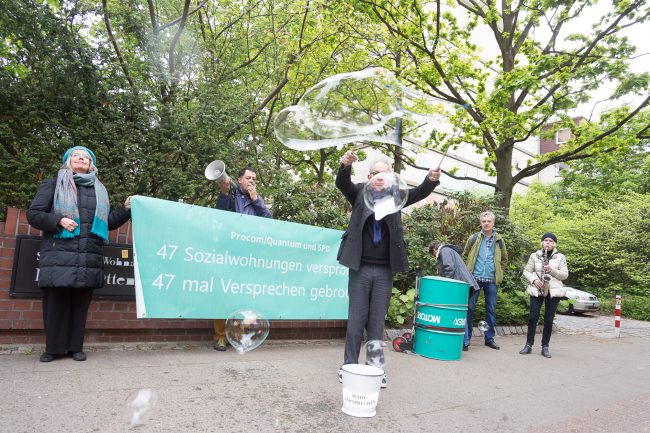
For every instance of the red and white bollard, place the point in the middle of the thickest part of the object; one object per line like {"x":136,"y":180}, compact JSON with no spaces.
{"x":617,"y":320}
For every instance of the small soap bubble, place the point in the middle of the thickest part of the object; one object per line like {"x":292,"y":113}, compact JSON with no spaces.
{"x":366,"y":105}
{"x":385,"y":193}
{"x":138,"y":405}
{"x":246,"y":330}
{"x":375,"y":353}
{"x":483,"y":326}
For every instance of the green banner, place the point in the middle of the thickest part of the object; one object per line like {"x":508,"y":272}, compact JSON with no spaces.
{"x":201,"y":263}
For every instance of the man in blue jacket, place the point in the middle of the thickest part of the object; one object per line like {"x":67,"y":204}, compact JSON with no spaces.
{"x":243,"y":198}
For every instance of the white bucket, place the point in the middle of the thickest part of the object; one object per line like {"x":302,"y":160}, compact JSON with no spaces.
{"x":361,"y":385}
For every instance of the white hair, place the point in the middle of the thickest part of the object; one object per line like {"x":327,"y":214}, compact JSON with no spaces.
{"x":383,"y":159}
{"x":487,"y":214}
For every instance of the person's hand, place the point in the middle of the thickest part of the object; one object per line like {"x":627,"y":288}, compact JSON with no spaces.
{"x":434,"y":174}
{"x":251,"y":189}
{"x":224,"y":186}
{"x":127,"y":203}
{"x":547,"y":268}
{"x":68,"y":224}
{"x":538,"y":284}
{"x":348,"y":158}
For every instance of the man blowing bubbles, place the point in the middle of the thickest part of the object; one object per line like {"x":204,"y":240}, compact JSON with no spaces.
{"x":373,"y":251}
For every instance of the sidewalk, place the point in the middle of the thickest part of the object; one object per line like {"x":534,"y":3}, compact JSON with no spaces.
{"x":591,"y":384}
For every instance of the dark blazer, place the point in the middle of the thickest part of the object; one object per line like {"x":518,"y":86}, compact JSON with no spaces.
{"x":71,"y":262}
{"x":349,"y":254}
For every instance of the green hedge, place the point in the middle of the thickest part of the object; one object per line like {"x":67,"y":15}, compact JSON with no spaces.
{"x":632,"y":306}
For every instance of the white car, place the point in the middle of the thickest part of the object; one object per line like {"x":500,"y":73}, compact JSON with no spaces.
{"x":582,"y":301}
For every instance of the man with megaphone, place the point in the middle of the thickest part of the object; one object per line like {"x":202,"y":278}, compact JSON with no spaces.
{"x":240,"y":197}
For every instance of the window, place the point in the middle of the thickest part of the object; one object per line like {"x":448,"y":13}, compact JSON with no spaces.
{"x":563,"y":135}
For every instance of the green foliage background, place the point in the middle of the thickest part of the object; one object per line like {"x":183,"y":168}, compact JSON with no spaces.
{"x":183,"y":92}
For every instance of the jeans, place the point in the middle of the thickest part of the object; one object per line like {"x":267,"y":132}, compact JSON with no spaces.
{"x":549,"y":314}
{"x":490,"y":290}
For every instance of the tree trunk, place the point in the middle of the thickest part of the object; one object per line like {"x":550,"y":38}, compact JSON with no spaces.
{"x":505,"y":183}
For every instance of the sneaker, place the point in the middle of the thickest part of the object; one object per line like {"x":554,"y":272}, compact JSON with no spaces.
{"x":384,"y":382}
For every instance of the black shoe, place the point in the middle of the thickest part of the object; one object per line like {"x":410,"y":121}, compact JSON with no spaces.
{"x":545,"y":352}
{"x":492,"y":345}
{"x":46,"y":357}
{"x":465,"y":348}
{"x":526,"y":350}
{"x":79,"y":356}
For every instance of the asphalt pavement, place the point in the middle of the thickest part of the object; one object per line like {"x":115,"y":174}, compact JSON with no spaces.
{"x":593,"y":383}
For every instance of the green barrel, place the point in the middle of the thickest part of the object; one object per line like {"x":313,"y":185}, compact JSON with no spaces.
{"x":440,"y":318}
{"x":440,"y":290}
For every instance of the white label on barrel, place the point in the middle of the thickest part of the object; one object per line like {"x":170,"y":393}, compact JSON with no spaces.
{"x":428,"y":317}
{"x":459,"y":322}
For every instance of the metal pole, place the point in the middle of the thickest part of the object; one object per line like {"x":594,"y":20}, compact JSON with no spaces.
{"x":617,"y":320}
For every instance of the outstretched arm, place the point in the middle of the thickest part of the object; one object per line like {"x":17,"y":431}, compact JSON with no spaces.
{"x":344,"y":177}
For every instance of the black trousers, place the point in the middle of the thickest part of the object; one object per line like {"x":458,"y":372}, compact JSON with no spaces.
{"x":64,"y":317}
{"x":549,"y":314}
{"x":369,"y":290}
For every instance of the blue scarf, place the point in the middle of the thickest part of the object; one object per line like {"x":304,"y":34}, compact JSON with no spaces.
{"x":65,"y":202}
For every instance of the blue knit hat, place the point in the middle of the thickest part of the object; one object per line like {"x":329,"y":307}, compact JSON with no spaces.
{"x":550,"y":236}
{"x":68,"y":152}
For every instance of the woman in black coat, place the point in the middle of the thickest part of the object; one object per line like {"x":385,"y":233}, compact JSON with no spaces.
{"x":73,"y":212}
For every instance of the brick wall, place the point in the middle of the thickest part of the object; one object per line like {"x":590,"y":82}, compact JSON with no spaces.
{"x":21,"y":320}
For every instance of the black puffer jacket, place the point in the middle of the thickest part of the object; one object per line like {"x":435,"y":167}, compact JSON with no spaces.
{"x":76,"y":262}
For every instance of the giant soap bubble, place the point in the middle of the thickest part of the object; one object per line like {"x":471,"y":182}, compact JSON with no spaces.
{"x":358,"y":106}
{"x":138,"y":405}
{"x":246,"y":330}
{"x":375,"y":353}
{"x":385,"y":193}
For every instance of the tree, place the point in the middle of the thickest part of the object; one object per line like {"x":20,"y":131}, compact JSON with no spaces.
{"x":533,"y":80}
{"x":51,"y":97}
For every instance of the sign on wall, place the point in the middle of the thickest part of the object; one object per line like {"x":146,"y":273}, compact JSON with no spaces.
{"x":119,"y":282}
{"x":202,"y":263}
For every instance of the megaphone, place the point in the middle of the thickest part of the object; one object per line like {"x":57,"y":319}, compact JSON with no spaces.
{"x":216,"y":170}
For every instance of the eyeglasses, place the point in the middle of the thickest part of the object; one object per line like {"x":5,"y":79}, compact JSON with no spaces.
{"x":80,"y":156}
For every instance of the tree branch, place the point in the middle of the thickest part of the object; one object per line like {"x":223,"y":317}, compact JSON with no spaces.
{"x":172,"y":45}
{"x":182,"y":17}
{"x":576,"y":153}
{"x":116,"y":47}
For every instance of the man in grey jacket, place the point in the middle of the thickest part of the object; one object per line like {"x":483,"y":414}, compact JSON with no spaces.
{"x":373,"y":251}
{"x":451,"y":264}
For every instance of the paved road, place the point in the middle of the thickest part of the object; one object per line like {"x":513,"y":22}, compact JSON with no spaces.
{"x":600,"y":326}
{"x":593,"y":383}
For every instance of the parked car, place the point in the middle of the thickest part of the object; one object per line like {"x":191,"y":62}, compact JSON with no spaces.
{"x":582,"y":301}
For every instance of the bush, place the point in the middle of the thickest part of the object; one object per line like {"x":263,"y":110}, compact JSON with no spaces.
{"x":632,"y":306}
{"x":401,"y":309}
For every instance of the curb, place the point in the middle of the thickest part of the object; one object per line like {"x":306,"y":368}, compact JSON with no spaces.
{"x":502,"y":331}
